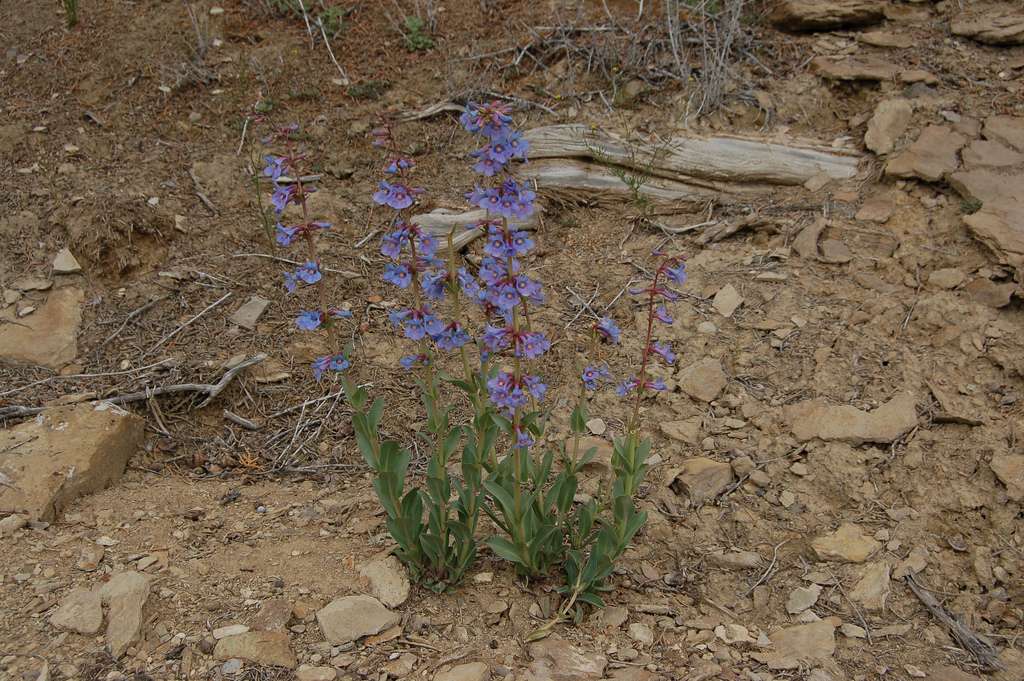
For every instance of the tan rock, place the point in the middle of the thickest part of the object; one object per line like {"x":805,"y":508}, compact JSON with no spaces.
{"x":818,"y":419}
{"x":80,"y":611}
{"x":946,"y":278}
{"x":350,"y":618}
{"x":848,"y":544}
{"x":555,"y":659}
{"x":727,"y":300}
{"x":887,"y":125}
{"x":703,"y":380}
{"x":125,"y":595}
{"x":49,"y":337}
{"x":65,"y":263}
{"x":63,"y":454}
{"x":992,"y":26}
{"x":389,"y":582}
{"x":687,"y":431}
{"x":999,"y":223}
{"x":1006,"y":129}
{"x":273,"y":615}
{"x":873,"y":588}
{"x":854,"y":69}
{"x":803,"y":644}
{"x":701,"y":479}
{"x":932,"y":157}
{"x":270,"y":648}
{"x":882,"y":38}
{"x":989,"y":154}
{"x":825,"y":15}
{"x":990,"y":293}
{"x":470,"y":671}
{"x":1009,"y":468}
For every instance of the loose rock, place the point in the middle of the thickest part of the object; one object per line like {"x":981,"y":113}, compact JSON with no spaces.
{"x":992,"y":26}
{"x":802,"y":598}
{"x":888,"y":124}
{"x":854,"y":69}
{"x":350,"y":618}
{"x":63,"y":454}
{"x":684,"y":431}
{"x":557,"y":660}
{"x":81,"y":612}
{"x":65,"y":263}
{"x":471,"y":671}
{"x":825,"y":15}
{"x":1009,"y":468}
{"x":641,"y":633}
{"x":848,"y":544}
{"x":727,"y":300}
{"x":999,"y":223}
{"x":49,"y":337}
{"x":734,"y":560}
{"x":931,"y":157}
{"x":125,"y":595}
{"x":270,"y":648}
{"x":873,"y":588}
{"x":248,"y":314}
{"x":273,"y":615}
{"x":800,"y":644}
{"x":389,"y":582}
{"x":703,"y":380}
{"x":818,"y":419}
{"x":701,"y":479}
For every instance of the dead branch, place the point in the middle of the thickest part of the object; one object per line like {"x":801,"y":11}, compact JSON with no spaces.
{"x":983,"y":651}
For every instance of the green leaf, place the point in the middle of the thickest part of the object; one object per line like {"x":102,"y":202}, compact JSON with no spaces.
{"x":578,"y":420}
{"x":503,"y":548}
{"x":590,"y":599}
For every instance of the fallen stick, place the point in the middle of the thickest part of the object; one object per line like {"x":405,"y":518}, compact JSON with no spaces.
{"x":983,"y":651}
{"x":212,"y":390}
{"x":174,"y":333}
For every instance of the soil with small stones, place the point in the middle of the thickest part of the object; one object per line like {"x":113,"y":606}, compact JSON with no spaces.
{"x":112,"y":130}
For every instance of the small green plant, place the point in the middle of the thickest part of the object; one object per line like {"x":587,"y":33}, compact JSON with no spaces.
{"x":70,"y":12}
{"x":415,"y":38}
{"x":970,"y":206}
{"x":333,"y":20}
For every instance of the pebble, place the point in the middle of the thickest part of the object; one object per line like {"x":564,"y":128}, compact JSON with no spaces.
{"x":799,"y":468}
{"x":597,"y":426}
{"x":641,"y":633}
{"x":231,"y":666}
{"x":229,"y":630}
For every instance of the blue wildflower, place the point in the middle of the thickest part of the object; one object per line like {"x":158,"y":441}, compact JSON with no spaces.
{"x":452,"y":338}
{"x":664,"y":350}
{"x":609,"y":330}
{"x":594,"y":375}
{"x":330,"y":363}
{"x":398,"y":274}
{"x":677,"y":274}
{"x":309,"y":320}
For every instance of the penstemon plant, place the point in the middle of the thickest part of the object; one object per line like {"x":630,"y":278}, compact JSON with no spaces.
{"x":506,"y":473}
{"x":291,"y":187}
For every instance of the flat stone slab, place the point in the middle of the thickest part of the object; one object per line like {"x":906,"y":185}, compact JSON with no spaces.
{"x":49,"y":336}
{"x":249,"y":313}
{"x":64,"y":453}
{"x":1006,"y":129}
{"x":992,"y":27}
{"x":819,"y":419}
{"x":351,"y":618}
{"x":932,"y":157}
{"x":270,"y":648}
{"x":825,"y":15}
{"x":999,"y":222}
{"x":853,"y":69}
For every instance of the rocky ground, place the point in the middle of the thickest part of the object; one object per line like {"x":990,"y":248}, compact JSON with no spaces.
{"x":838,"y":482}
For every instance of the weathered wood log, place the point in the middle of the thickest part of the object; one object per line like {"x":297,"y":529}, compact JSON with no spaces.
{"x":441,"y":222}
{"x":731,"y":160}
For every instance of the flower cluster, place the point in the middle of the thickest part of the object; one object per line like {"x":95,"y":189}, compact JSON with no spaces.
{"x":291,"y":189}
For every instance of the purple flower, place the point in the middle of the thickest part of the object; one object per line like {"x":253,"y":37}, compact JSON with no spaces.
{"x":276,"y":166}
{"x":452,"y":338}
{"x":626,"y":387}
{"x":609,"y":330}
{"x":410,"y":361}
{"x":309,"y":320}
{"x":434,"y":283}
{"x":330,"y":363}
{"x":531,"y":345}
{"x":503,"y":296}
{"x":417,"y":324}
{"x":282,"y":196}
{"x":594,"y":375}
{"x":496,"y":338}
{"x":505,"y":392}
{"x":656,"y":384}
{"x":426,"y":246}
{"x":308,"y":273}
{"x":398,"y":274}
{"x":510,"y":200}
{"x":535,"y":386}
{"x":398,"y":165}
{"x":664,"y":350}
{"x":662,"y":315}
{"x":392,"y":243}
{"x":286,"y":235}
{"x":677,"y":274}
{"x":529,"y":289}
{"x":490,"y":119}
{"x":524,"y":439}
{"x":396,"y":195}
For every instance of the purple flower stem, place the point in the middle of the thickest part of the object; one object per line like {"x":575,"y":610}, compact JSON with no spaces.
{"x":634,"y":424}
